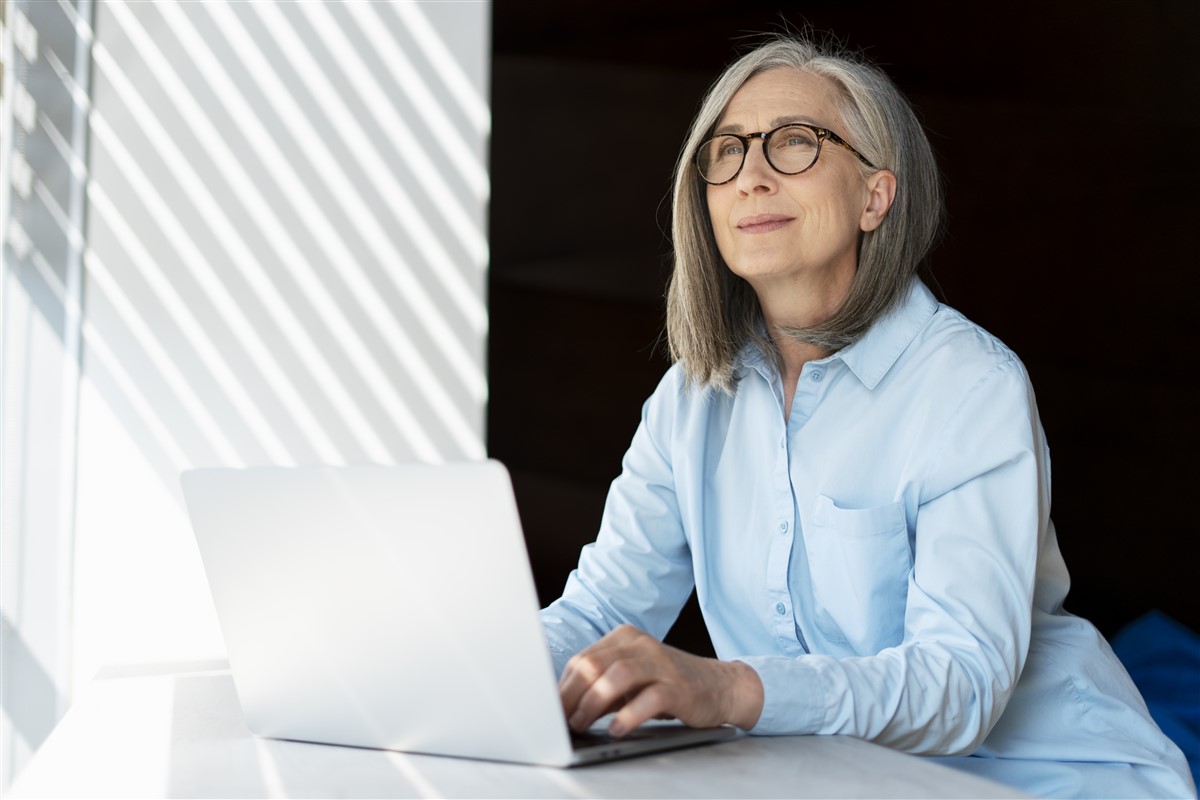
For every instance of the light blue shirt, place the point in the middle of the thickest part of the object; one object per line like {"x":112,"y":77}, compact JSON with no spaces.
{"x":884,"y":559}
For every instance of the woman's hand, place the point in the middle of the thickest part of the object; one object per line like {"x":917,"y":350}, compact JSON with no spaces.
{"x":641,"y":678}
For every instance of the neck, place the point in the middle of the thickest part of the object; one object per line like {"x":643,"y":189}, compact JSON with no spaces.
{"x":800,"y":304}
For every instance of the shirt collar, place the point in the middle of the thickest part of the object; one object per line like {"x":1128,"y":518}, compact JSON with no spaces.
{"x":752,"y":357}
{"x":874,"y":354}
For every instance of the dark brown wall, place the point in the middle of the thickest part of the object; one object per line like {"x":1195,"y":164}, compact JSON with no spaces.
{"x":1067,"y":133}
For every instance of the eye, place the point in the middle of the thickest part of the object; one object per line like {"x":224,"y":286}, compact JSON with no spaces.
{"x":794,"y":138}
{"x":730,"y":148}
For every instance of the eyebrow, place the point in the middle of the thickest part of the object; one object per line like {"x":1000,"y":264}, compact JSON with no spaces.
{"x":775,"y":123}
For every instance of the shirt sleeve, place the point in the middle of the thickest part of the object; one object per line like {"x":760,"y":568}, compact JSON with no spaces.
{"x":639,"y":570}
{"x":981,"y":521}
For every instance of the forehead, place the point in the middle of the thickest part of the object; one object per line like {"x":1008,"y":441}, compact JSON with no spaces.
{"x":782,"y":94}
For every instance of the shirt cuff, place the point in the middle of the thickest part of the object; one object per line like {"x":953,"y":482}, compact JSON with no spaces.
{"x":794,"y":700}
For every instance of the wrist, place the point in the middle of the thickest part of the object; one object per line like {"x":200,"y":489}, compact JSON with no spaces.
{"x":745,"y":695}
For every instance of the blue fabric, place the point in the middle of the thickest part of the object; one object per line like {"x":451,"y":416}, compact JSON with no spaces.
{"x":884,"y":558}
{"x":1163,"y":658}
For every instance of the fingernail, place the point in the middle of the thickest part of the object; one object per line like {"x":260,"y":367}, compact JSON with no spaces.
{"x":576,"y":720}
{"x":617,"y":728}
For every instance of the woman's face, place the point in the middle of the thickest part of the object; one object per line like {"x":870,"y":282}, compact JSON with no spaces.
{"x":773,"y":229}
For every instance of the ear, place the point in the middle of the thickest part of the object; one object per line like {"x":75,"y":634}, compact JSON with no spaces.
{"x":881,"y":191}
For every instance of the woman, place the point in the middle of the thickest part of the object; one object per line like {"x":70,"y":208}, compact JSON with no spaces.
{"x":853,"y":477}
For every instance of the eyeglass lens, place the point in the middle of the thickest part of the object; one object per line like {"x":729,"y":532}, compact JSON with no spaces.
{"x":789,"y":150}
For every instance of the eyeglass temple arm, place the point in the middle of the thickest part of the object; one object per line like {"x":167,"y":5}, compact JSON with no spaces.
{"x":833,"y":137}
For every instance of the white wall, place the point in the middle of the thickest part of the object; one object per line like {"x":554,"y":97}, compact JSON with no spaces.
{"x":285,"y":264}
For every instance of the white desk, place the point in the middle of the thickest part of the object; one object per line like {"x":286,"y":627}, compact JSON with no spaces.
{"x":179,"y":733}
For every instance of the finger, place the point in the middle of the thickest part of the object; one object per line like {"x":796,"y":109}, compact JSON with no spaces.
{"x":624,"y":678}
{"x":595,"y":657}
{"x":590,"y":663}
{"x":652,"y":702}
{"x":582,"y":671}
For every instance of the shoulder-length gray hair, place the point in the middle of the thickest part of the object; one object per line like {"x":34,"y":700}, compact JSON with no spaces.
{"x":711,"y":312}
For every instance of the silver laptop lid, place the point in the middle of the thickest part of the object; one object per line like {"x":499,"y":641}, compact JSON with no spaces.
{"x":387,"y":607}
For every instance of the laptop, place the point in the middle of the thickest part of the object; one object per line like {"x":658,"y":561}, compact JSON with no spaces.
{"x":393,"y":608}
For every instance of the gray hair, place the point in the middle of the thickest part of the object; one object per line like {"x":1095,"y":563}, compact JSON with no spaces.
{"x":711,"y":312}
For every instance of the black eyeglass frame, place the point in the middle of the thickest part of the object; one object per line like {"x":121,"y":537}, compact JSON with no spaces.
{"x":745,"y":138}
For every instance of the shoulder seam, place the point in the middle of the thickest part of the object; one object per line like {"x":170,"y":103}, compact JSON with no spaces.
{"x":1010,"y":361}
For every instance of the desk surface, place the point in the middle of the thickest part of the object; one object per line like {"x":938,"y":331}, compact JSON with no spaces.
{"x":180,"y":733}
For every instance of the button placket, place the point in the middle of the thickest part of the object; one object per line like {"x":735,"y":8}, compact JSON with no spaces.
{"x":779,"y":545}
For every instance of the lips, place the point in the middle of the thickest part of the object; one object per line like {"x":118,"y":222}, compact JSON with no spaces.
{"x":763,"y":223}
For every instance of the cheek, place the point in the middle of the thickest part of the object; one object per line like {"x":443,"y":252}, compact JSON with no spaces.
{"x":854,"y":200}
{"x":832,"y":216}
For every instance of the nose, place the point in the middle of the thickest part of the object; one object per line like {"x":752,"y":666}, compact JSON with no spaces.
{"x":757,"y":176}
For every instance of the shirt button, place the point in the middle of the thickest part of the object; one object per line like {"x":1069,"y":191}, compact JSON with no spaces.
{"x":817,"y":375}
{"x":780,"y":609}
{"x":783,"y":527}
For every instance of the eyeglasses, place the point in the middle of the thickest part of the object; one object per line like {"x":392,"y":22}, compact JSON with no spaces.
{"x":790,"y":149}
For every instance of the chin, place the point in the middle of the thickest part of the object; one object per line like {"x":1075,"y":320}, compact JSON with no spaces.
{"x":757,"y":270}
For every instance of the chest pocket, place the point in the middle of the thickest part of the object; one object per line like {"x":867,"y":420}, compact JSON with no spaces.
{"x":859,"y":561}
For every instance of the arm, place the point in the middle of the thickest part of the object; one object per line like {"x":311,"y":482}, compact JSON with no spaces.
{"x":982,"y":517}
{"x":605,"y":631}
{"x":639,"y":571}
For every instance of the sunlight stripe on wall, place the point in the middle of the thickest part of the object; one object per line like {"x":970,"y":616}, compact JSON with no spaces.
{"x":404,"y":212}
{"x":432,"y":45}
{"x":435,"y":126}
{"x":112,"y":362}
{"x":317,"y":223}
{"x":161,"y":212}
{"x":290,"y":256}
